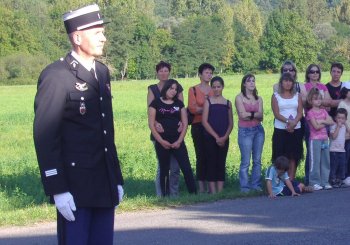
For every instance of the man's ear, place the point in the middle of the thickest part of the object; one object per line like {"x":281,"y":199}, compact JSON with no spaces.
{"x":76,"y":38}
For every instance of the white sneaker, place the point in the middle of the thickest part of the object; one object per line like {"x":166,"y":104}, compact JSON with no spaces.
{"x":328,"y":187}
{"x":346,"y":181}
{"x":317,"y":187}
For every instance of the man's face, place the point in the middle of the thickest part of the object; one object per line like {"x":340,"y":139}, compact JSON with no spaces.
{"x":336,"y":74}
{"x":91,"y":42}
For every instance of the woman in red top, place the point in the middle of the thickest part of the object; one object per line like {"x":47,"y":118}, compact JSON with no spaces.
{"x":196,"y":98}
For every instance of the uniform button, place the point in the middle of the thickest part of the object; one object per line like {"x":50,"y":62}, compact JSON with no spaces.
{"x":103,"y":115}
{"x":101,"y":98}
{"x":106,"y":149}
{"x":82,"y":98}
{"x":104,"y":131}
{"x":73,"y":164}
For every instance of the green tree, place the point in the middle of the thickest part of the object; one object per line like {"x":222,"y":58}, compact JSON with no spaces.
{"x":288,"y":36}
{"x":248,"y":31}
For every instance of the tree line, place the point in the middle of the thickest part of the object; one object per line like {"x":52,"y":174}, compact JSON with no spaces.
{"x":236,"y":36}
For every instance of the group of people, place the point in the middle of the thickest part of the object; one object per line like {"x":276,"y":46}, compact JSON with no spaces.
{"x":74,"y":133}
{"x":307,"y":111}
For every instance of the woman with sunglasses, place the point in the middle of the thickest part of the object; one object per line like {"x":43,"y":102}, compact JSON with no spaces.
{"x":289,"y":67}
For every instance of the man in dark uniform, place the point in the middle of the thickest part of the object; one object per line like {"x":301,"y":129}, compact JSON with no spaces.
{"x":74,"y":135}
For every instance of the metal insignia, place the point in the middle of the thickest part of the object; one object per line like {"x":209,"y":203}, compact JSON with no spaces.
{"x":82,"y":108}
{"x":74,"y":63}
{"x":81,"y":86}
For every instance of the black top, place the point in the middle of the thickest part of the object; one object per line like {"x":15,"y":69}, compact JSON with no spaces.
{"x":169,"y":115}
{"x":334,"y":92}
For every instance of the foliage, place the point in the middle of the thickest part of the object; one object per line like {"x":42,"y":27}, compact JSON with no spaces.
{"x":234,"y":35}
{"x":288,"y":36}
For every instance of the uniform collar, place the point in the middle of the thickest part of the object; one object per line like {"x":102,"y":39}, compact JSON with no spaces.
{"x":87,"y":65}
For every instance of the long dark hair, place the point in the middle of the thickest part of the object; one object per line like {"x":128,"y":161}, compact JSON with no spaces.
{"x":167,"y":85}
{"x":255,"y":91}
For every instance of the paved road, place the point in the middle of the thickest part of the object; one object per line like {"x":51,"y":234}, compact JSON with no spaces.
{"x":319,"y":218}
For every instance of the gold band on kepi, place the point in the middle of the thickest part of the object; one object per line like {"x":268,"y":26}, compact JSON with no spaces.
{"x":83,"y":18}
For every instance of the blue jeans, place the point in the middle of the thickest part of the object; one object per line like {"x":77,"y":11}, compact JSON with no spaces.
{"x":250,"y":141}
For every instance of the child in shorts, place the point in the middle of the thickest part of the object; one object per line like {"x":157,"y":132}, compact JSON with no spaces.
{"x":278,"y":182}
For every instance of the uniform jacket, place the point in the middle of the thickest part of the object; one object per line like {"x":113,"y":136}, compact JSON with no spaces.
{"x":74,"y":133}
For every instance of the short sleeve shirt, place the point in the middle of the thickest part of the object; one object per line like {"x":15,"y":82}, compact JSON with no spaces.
{"x":169,"y":115}
{"x":338,"y":144}
{"x":323,"y":88}
{"x":320,"y":134}
{"x":277,"y":182}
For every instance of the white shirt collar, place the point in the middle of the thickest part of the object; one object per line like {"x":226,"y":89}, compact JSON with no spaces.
{"x":87,"y":65}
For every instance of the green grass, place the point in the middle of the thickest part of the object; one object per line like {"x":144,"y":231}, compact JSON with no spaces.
{"x":22,"y":200}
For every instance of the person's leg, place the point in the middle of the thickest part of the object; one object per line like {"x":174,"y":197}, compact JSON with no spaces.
{"x":164,"y":165}
{"x":102,"y":226}
{"x":245,"y":142}
{"x":333,"y":168}
{"x":347,"y":163}
{"x":315,"y":161}
{"x":325,"y":165}
{"x":258,"y":144}
{"x":198,"y":142}
{"x":74,"y":232}
{"x":307,"y":157}
{"x":221,"y":166}
{"x":341,"y":168}
{"x":211,"y":151}
{"x":181,"y":156}
{"x":157,"y":180}
{"x":174,"y":177}
{"x":292,"y":169}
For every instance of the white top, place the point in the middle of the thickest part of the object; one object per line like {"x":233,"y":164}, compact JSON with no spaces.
{"x":288,"y":108}
{"x":338,"y":144}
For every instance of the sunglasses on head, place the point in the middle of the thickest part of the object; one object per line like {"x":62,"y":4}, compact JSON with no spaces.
{"x":288,"y":70}
{"x":314,"y":72}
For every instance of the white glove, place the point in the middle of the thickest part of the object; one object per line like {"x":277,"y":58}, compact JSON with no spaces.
{"x":65,"y":205}
{"x":120,"y":193}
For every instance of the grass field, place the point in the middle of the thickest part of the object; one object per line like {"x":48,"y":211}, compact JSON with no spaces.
{"x":22,"y":200}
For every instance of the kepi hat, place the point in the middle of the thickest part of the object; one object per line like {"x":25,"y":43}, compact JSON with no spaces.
{"x":83,"y":18}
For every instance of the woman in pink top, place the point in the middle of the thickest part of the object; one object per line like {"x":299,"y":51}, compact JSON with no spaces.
{"x":251,"y":135}
{"x":197,"y":95}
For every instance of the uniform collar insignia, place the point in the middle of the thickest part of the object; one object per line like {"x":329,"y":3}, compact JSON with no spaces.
{"x":74,"y":63}
{"x":81,"y":86}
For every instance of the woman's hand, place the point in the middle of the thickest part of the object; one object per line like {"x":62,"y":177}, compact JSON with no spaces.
{"x":221,"y":141}
{"x":176,"y":145}
{"x":159,"y":127}
{"x":165,"y":144}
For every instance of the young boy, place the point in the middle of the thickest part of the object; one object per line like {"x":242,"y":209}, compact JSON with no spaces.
{"x":337,"y":148}
{"x":278,"y":182}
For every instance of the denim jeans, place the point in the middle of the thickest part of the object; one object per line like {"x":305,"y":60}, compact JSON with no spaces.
{"x":250,"y":141}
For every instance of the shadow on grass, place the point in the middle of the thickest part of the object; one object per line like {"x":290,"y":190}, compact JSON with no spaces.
{"x":22,"y":189}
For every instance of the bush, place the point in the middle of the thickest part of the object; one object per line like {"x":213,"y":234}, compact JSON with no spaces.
{"x":21,"y":68}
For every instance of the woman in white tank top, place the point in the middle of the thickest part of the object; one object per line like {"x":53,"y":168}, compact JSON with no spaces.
{"x":287,"y":137}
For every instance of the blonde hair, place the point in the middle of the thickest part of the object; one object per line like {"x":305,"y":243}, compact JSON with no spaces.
{"x":312,"y":93}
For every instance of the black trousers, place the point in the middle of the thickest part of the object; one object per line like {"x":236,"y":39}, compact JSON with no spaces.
{"x":197,"y":132}
{"x":181,"y":155}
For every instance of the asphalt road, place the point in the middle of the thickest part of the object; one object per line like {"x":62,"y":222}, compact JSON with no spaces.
{"x":318,"y":218}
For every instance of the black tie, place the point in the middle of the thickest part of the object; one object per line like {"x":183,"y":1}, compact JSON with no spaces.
{"x":92,"y":71}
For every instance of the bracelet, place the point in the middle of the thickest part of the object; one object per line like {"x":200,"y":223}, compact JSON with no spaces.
{"x":252,"y":115}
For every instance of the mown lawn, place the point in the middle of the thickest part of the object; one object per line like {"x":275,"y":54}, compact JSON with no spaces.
{"x":22,"y":200}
